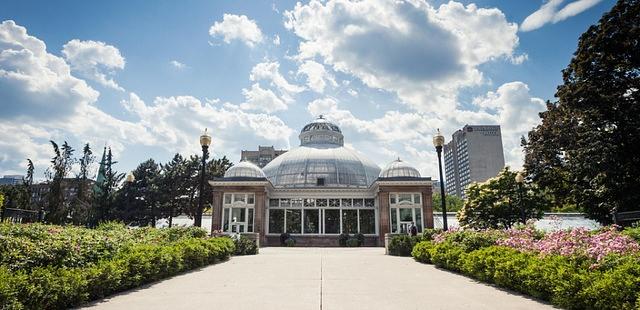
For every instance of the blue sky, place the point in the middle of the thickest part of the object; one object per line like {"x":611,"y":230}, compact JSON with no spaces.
{"x":147,"y":77}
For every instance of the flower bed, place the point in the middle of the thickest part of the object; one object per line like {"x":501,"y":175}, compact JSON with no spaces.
{"x":52,"y":267}
{"x":573,"y":269}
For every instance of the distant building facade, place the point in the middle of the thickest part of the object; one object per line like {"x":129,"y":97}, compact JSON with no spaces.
{"x":40,"y":191}
{"x":474,"y":154}
{"x":263,"y":156}
{"x":11,"y":179}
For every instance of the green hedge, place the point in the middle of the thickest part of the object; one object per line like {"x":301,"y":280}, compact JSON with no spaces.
{"x":566,"y":282}
{"x":401,"y":245}
{"x":59,"y":288}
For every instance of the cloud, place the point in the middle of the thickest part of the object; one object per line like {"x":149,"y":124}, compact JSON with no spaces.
{"x":517,"y":113}
{"x":178,"y":65}
{"x":261,"y":99}
{"x":237,"y":27}
{"x":176,"y":122}
{"x":36,"y":85}
{"x":317,"y":76}
{"x":94,"y":60}
{"x":276,"y":40}
{"x":423,"y":54}
{"x":550,"y":12}
{"x":270,"y":71}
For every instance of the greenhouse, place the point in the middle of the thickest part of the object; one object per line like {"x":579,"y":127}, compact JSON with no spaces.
{"x":319,"y":190}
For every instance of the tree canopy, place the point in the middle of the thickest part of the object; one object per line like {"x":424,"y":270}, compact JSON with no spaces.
{"x":585,"y":150}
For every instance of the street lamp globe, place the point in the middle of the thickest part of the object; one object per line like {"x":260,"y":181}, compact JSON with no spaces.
{"x":130,"y":177}
{"x":519,"y":178}
{"x":205,"y":139}
{"x":438,"y":139}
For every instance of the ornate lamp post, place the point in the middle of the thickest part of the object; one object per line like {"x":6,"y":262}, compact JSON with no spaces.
{"x":205,"y":141}
{"x":520,"y":182}
{"x":438,"y":142}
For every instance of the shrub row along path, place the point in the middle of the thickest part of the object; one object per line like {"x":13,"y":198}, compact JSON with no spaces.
{"x":319,"y":278}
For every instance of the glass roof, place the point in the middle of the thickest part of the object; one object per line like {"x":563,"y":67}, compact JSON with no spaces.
{"x":399,"y":168}
{"x":244,"y":169}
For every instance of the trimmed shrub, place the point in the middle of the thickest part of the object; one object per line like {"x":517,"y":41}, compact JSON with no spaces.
{"x":245,"y":246}
{"x":353,"y":242}
{"x":429,"y":233}
{"x":360,"y":238}
{"x":342,"y":239}
{"x":290,"y":242}
{"x":422,"y":251}
{"x":402,"y":245}
{"x":283,"y":238}
{"x":60,"y":288}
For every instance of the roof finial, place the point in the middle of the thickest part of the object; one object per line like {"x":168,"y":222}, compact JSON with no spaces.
{"x":321,"y":116}
{"x":399,"y":158}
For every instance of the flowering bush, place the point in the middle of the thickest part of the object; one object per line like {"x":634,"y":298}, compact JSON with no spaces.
{"x":575,"y":242}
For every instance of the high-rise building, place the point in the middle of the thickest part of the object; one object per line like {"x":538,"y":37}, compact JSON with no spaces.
{"x":263,"y":156}
{"x":474,"y":154}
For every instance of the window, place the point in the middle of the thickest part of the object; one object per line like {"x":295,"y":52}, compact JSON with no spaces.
{"x":367,"y":221}
{"x":296,"y":203}
{"x":331,"y":221}
{"x":274,"y":203}
{"x":418,"y":212}
{"x":285,"y":203}
{"x":394,"y":220}
{"x":416,"y":199}
{"x":369,"y":203}
{"x":250,"y":220}
{"x":404,"y":198}
{"x":334,"y":202}
{"x":358,"y":203}
{"x":239,"y":197}
{"x":251,"y":199}
{"x":225,"y":219}
{"x":392,"y":199}
{"x":311,"y":225}
{"x":346,"y":202}
{"x":276,"y":221}
{"x":320,"y":182}
{"x":227,"y":199}
{"x":406,"y":215}
{"x":294,"y":221}
{"x":350,"y":221}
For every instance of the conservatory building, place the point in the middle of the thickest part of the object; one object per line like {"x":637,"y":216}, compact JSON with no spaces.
{"x":319,"y":190}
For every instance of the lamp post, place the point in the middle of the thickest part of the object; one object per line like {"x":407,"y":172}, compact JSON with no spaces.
{"x":438,"y":142}
{"x":520,"y":182}
{"x":129,"y":180}
{"x":205,"y":141}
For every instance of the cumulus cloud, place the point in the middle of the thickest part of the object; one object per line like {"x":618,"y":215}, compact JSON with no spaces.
{"x":237,"y":27}
{"x":261,"y":99}
{"x":270,"y":71}
{"x":550,"y":12}
{"x":517,"y":113}
{"x":177,"y":121}
{"x":94,"y":60}
{"x":422,"y":53}
{"x":317,"y":76}
{"x":36,"y":85}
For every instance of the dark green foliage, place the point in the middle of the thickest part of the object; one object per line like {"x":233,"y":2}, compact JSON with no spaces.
{"x":567,"y":282}
{"x":633,"y":232}
{"x":428,"y":233}
{"x":346,"y":240}
{"x":353,"y":242}
{"x":290,"y":242}
{"x":454,"y":203}
{"x":500,"y":201}
{"x":585,"y":150}
{"x":245,"y":246}
{"x":145,"y":257}
{"x":402,"y":245}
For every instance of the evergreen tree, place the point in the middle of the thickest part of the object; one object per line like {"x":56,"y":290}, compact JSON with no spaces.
{"x":106,"y":189}
{"x":81,"y":206}
{"x":138,"y":201}
{"x":174,"y":182}
{"x":61,"y":163}
{"x":585,"y":150}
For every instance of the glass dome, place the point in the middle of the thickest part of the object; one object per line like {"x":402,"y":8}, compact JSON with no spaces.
{"x":244,"y":169}
{"x":321,"y":160}
{"x":399,"y":168}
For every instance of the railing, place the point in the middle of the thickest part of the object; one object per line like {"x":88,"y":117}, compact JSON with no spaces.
{"x":628,"y":217}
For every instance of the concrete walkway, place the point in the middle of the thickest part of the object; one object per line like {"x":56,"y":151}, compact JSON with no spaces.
{"x":319,"y":278}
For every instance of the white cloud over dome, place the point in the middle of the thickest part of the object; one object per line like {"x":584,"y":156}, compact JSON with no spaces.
{"x":94,"y":60}
{"x":317,"y":76}
{"x":258,"y":98}
{"x":422,"y":53}
{"x":237,"y":27}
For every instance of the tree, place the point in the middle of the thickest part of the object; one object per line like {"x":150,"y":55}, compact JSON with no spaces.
{"x":174,"y":183}
{"x":454,"y":203}
{"x":61,"y":164}
{"x":81,"y":205}
{"x":499,"y":202}
{"x":106,"y":188}
{"x":138,"y":201}
{"x":584,"y":152}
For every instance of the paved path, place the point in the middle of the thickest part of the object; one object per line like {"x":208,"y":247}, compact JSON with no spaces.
{"x":319,"y":278}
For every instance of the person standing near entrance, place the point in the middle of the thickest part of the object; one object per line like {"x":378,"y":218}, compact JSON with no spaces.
{"x":413,"y":230}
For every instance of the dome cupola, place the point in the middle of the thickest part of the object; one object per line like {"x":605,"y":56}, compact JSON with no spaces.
{"x":321,"y":131}
{"x":244,"y":169}
{"x":399,"y":168}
